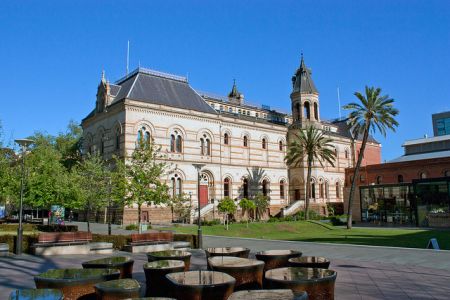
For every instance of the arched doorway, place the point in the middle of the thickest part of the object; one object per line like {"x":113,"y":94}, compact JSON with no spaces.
{"x":206,"y":188}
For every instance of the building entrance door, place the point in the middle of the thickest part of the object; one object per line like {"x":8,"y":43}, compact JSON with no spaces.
{"x":203,"y":189}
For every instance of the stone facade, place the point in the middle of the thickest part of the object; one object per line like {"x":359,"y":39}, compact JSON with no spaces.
{"x":242,"y":147}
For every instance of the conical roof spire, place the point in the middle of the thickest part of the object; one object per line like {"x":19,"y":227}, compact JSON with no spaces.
{"x":234,"y":91}
{"x":302,"y":81}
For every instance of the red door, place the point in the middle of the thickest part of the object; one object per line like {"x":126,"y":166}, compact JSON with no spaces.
{"x":203,"y":195}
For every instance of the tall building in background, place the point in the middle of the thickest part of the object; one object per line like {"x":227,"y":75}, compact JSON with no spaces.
{"x":242,"y":146}
{"x":441,"y":123}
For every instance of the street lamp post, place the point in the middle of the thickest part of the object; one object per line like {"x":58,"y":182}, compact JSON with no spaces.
{"x":199,"y":167}
{"x":23,"y":143}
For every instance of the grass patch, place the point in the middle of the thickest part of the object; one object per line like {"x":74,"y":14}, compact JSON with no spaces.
{"x":318,"y":232}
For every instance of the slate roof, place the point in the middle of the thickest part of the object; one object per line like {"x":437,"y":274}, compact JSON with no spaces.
{"x":114,"y":89}
{"x":302,"y":81}
{"x":344,"y":130}
{"x":160,"y":88}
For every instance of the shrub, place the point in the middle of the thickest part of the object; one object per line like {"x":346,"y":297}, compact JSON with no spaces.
{"x":27,"y":241}
{"x":13,"y":227}
{"x":131,"y":227}
{"x":211,"y":223}
{"x":118,"y":241}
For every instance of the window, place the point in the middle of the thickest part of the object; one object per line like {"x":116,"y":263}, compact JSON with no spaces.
{"x":447,"y":173}
{"x":248,"y":113}
{"x":102,"y":144}
{"x":221,"y":108}
{"x":117,"y":139}
{"x":379,"y":179}
{"x":265,"y":187}
{"x":245,"y":141}
{"x":205,"y":145}
{"x":257,"y":115}
{"x":338,"y":190}
{"x":225,"y":139}
{"x":280,"y":145}
{"x":362,"y":178}
{"x":282,"y":189}
{"x":239,"y":110}
{"x":423,"y":175}
{"x":346,"y":153}
{"x":175,"y":186}
{"x":306,"y":111}
{"x":245,"y":187}
{"x":176,"y":142}
{"x":316,"y":112}
{"x":400,"y":178}
{"x":264,"y":144}
{"x":172,"y":143}
{"x":326,"y":190}
{"x":226,"y":187}
{"x":321,"y":190}
{"x":230,"y":109}
{"x":313,"y":190}
{"x":297,"y":194}
{"x":298,"y":111}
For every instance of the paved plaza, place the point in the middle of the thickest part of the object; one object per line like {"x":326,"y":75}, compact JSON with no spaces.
{"x":363,"y":272}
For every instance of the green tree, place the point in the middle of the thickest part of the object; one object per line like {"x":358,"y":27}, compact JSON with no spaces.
{"x":69,"y":145}
{"x":143,"y":173}
{"x":371,"y":113}
{"x":9,"y":177}
{"x":247,"y":206}
{"x":180,"y":207}
{"x":227,"y":206}
{"x":47,"y":182}
{"x":312,"y":145}
{"x":92,"y":179}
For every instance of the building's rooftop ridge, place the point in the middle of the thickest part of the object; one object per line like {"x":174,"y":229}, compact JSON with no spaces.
{"x":421,"y":156}
{"x":153,"y":73}
{"x":247,"y":103}
{"x":424,"y":140}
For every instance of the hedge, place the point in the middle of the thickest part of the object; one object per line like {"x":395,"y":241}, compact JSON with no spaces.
{"x":14,"y":227}
{"x":43,"y":228}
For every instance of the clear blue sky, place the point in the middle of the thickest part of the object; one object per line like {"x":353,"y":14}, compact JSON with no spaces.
{"x":52,"y":54}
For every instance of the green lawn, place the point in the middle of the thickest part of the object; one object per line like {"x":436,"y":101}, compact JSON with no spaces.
{"x":317,"y":232}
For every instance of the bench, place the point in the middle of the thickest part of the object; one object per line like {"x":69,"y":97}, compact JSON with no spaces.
{"x":57,"y":243}
{"x":150,"y":241}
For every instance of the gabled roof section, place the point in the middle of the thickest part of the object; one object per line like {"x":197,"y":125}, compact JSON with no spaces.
{"x":160,"y":88}
{"x":302,"y":81}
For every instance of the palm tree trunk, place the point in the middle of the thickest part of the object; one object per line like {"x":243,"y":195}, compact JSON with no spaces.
{"x":308,"y":188}
{"x":355,"y":176}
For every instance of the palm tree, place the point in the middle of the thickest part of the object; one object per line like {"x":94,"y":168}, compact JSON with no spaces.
{"x":311,"y":145}
{"x":374,"y":112}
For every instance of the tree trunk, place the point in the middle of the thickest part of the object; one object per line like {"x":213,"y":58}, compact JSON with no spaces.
{"x":308,"y":188}
{"x":227,"y":221}
{"x":139,"y":218}
{"x":355,"y":176}
{"x":87,"y":221}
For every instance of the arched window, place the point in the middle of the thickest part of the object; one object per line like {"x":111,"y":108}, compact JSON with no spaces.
{"x":147,"y":137}
{"x":313,"y":190}
{"x":245,"y":141}
{"x":423,"y":175}
{"x":245,"y":187}
{"x":226,"y":187}
{"x":297,"y":111}
{"x":282,"y":189}
{"x":447,"y":173}
{"x":306,"y":111}
{"x":175,"y":186}
{"x":265,"y":187}
{"x":202,"y":146}
{"x":346,"y":153}
{"x":338,"y":190}
{"x":264,"y":143}
{"x":143,"y":135}
{"x":179,"y":144}
{"x":117,"y":139}
{"x":205,"y":145}
{"x":379,"y":179}
{"x":321,"y":190}
{"x":172,"y":143}
{"x":102,"y":144}
{"x":139,"y":137}
{"x":280,"y":145}
{"x":400,"y":178}
{"x":316,"y":111}
{"x":225,"y":139}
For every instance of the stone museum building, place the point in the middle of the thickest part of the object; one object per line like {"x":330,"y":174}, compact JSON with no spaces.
{"x":238,"y":149}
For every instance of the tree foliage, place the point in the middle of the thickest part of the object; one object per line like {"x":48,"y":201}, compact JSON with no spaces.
{"x":261,"y":204}
{"x":228,"y":207}
{"x":247,"y":206}
{"x":143,"y":173}
{"x":313,"y":146}
{"x":373,"y":112}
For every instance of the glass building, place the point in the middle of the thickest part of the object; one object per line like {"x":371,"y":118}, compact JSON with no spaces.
{"x":441,"y":123}
{"x":424,"y":203}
